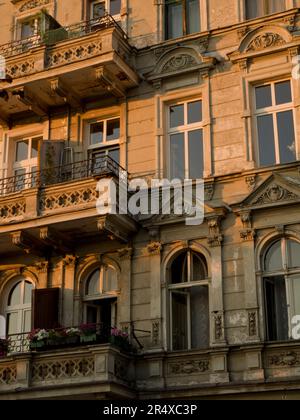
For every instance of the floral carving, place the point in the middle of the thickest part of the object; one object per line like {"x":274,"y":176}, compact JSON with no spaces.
{"x":264,"y":41}
{"x":189,"y":367}
{"x":285,"y":360}
{"x":179,"y":62}
{"x":252,"y":324}
{"x":274,"y":194}
{"x":32,"y":4}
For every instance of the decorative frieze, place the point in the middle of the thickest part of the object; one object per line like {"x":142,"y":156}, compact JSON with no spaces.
{"x":275,"y":193}
{"x":62,"y":369}
{"x":79,"y":51}
{"x":12,"y":210}
{"x":265,"y":40}
{"x":32,"y":4}
{"x":189,"y":367}
{"x":8,"y":374}
{"x":289,"y":359}
{"x":63,"y":199}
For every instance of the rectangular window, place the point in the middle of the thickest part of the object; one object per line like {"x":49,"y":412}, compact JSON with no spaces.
{"x":100,"y":8}
{"x":275,"y":123}
{"x":182,"y":17}
{"x":25,"y":163}
{"x":258,"y":8}
{"x":185,"y":133}
{"x":104,"y":138}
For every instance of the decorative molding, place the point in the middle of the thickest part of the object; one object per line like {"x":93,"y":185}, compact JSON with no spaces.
{"x":189,"y":367}
{"x":264,"y":41}
{"x":50,"y":202}
{"x":21,"y":69}
{"x":179,"y":62}
{"x":70,"y":261}
{"x":42,"y":266}
{"x":209,"y":190}
{"x":156,"y":332}
{"x":62,"y":369}
{"x":247,"y":233}
{"x":289,"y":359}
{"x":215,"y":237}
{"x":8,"y":374}
{"x":32,"y":4}
{"x":219,"y":326}
{"x":274,"y":194}
{"x":252,"y":322}
{"x":125,"y":253}
{"x":154,"y":248}
{"x":251,"y":182}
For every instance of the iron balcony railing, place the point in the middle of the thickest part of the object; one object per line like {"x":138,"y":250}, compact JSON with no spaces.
{"x":97,"y":165}
{"x":63,"y":33}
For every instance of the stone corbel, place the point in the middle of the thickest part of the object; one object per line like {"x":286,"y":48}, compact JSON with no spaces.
{"x":125,"y":253}
{"x":215,"y":237}
{"x":27,"y":243}
{"x":70,"y":261}
{"x":154,"y":248}
{"x":104,"y":78}
{"x":27,"y":98}
{"x":247,"y":233}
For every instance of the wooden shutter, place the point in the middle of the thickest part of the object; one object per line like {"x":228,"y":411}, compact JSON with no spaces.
{"x":45,"y":308}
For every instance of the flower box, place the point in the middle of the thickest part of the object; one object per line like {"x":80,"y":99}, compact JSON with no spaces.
{"x":88,"y":338}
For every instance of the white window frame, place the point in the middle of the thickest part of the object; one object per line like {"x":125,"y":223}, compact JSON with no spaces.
{"x":177,"y":288}
{"x":288,"y":275}
{"x":186,"y":128}
{"x":273,"y":110}
{"x":102,"y":294}
{"x":107,"y":8}
{"x":106,"y":144}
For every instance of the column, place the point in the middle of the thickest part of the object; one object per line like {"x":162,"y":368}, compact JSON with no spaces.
{"x":69,"y":265}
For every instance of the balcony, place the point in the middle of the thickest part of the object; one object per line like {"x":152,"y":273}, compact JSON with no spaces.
{"x":57,"y":205}
{"x":93,"y":368}
{"x":72,"y":65}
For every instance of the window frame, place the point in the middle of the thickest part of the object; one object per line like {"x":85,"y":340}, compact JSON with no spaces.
{"x":91,"y":3}
{"x":184,"y":20}
{"x":288,"y":274}
{"x":185,"y":129}
{"x":102,"y":294}
{"x":273,"y":110}
{"x":288,"y":5}
{"x":171,"y":288}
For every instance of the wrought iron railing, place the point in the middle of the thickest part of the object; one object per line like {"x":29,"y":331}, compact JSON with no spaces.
{"x":97,"y":165}
{"x":63,"y":33}
{"x":20,"y":46}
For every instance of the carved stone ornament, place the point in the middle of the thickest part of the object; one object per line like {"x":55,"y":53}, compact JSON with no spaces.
{"x":252,"y":324}
{"x":179,"y":62}
{"x":266,"y":40}
{"x":218,"y":327}
{"x":154,"y":248}
{"x":189,"y":367}
{"x":275,"y":193}
{"x":285,"y":360}
{"x":215,"y":237}
{"x":32,"y":4}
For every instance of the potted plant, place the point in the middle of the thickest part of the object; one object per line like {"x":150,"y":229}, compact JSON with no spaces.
{"x":120,"y":339}
{"x":72,"y":336}
{"x":88,"y":333}
{"x":38,"y":339}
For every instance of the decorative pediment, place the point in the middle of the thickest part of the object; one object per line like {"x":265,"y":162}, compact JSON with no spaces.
{"x":262,"y":40}
{"x":180,"y":60}
{"x":277,"y":190}
{"x":31,"y":4}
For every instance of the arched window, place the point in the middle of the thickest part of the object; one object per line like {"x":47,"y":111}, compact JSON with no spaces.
{"x":18,"y":308}
{"x":189,"y":302}
{"x":100,"y":296}
{"x":281,"y":263}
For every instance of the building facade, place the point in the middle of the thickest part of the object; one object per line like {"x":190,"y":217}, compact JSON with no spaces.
{"x":184,"y":89}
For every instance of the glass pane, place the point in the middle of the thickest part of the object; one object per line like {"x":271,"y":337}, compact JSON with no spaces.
{"x":194,"y":112}
{"x":113,"y":130}
{"x":34,"y":148}
{"x":199,"y":317}
{"x":294,"y":284}
{"x":267,"y":154}
{"x":179,"y":321}
{"x":196,"y":158}
{"x":110,"y":281}
{"x":91,"y":315}
{"x":14,"y":298}
{"x":274,"y":258}
{"x":193,"y":16}
{"x":276,"y":6}
{"x":283,"y":92}
{"x":96,"y":133}
{"x":115,"y":155}
{"x":276,"y":308}
{"x":176,"y":116}
{"x":22,"y":150}
{"x":199,"y":269}
{"x":98,"y":10}
{"x":263,"y":96}
{"x":93,"y":284}
{"x":286,"y":137}
{"x":115,"y":7}
{"x":254,"y":8}
{"x":27,"y":321}
{"x":28,"y":292}
{"x":27,"y":29}
{"x":179,"y":269}
{"x":174,"y":19}
{"x":293,"y":254}
{"x":13,"y":323}
{"x":177,"y":156}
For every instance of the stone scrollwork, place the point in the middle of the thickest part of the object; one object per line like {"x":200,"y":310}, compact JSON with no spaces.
{"x":265,"y":40}
{"x":290,"y":359}
{"x":189,"y":367}
{"x":32,"y":4}
{"x":275,"y":193}
{"x":179,"y":62}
